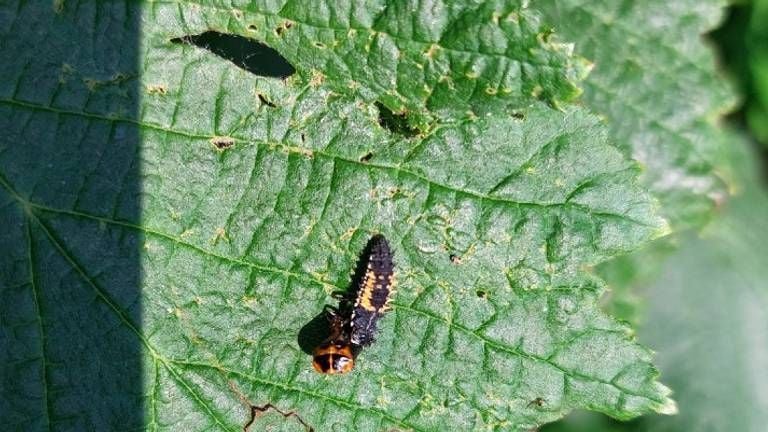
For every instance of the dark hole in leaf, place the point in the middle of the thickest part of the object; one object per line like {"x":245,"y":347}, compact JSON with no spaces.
{"x":518,"y":115}
{"x":481,"y":294}
{"x":366,"y":157}
{"x":252,"y":27}
{"x":455,"y":259}
{"x":253,"y":56}
{"x":265,"y":101}
{"x":320,"y":45}
{"x":395,"y":123}
{"x":546,"y":35}
{"x":282,"y":27}
{"x":303,"y":137}
{"x":222,"y":143}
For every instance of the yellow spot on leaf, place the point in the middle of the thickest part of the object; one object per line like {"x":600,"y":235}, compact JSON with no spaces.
{"x":317,"y":78}
{"x":220,"y":234}
{"x":431,"y":51}
{"x":157,"y":89}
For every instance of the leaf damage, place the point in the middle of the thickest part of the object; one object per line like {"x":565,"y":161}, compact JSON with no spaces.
{"x":495,"y":222}
{"x":257,"y":410}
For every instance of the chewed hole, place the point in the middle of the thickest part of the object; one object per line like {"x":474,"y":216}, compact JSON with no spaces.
{"x":263,"y":99}
{"x":366,"y":157}
{"x":482,"y":294}
{"x":282,"y":27}
{"x":249,"y":54}
{"x":518,"y":115}
{"x":222,"y":142}
{"x":395,"y":123}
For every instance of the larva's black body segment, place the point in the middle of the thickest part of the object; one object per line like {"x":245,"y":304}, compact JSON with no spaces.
{"x":374,"y":290}
{"x":364,"y":327}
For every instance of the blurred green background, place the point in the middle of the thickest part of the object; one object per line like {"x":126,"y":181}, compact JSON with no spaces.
{"x":700,"y":300}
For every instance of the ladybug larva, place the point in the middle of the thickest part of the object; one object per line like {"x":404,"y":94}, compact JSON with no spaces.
{"x":353,"y":324}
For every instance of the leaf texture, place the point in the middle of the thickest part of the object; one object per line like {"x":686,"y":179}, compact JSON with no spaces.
{"x":656,"y":83}
{"x":175,"y":222}
{"x":438,"y":60}
{"x":713,"y":288}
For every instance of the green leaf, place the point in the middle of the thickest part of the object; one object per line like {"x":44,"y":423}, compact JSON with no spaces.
{"x":706,"y":316}
{"x":719,"y":283}
{"x":628,"y":276}
{"x":655,"y":81}
{"x":439,"y":60}
{"x":757,"y":98}
{"x":176,"y":222}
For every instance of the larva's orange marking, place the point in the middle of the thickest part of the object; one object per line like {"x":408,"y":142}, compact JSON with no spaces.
{"x":368,"y":287}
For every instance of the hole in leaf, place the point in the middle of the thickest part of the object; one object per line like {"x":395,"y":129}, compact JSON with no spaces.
{"x":320,"y":45}
{"x":252,"y":27}
{"x":222,"y":142}
{"x":518,"y":115}
{"x":282,"y":27}
{"x":157,"y":89}
{"x":265,"y":101}
{"x":366,"y":157}
{"x":455,"y":259}
{"x":395,"y":123}
{"x":253,"y":56}
{"x":481,"y":294}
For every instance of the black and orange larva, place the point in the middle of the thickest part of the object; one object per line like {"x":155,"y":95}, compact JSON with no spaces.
{"x":353,"y":324}
{"x":374,"y":292}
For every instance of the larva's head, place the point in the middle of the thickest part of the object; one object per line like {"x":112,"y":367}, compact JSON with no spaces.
{"x":333,"y":358}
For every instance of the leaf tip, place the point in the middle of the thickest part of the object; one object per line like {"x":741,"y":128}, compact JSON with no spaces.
{"x":669,"y":407}
{"x":664,"y":228}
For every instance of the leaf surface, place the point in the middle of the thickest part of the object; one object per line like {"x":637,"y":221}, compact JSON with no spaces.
{"x":433,"y":61}
{"x":176,"y":222}
{"x":655,"y":81}
{"x":712,"y":290}
{"x":757,"y":78}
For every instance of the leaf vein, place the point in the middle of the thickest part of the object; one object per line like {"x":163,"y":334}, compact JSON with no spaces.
{"x":397,"y":169}
{"x":311,"y":279}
